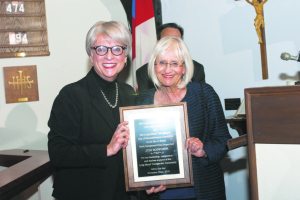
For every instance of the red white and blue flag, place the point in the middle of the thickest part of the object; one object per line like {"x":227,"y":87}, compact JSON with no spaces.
{"x":143,"y":32}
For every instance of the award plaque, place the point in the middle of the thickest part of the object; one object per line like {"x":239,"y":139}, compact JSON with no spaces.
{"x":156,"y":152}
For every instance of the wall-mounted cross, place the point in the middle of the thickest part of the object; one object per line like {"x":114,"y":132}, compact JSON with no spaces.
{"x":260,"y":30}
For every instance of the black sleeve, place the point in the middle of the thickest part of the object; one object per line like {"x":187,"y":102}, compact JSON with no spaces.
{"x":199,"y":74}
{"x":142,"y":78}
{"x":65,"y":145}
{"x":218,"y":134}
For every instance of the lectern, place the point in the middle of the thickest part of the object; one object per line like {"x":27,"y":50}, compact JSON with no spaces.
{"x":273,"y":133}
{"x":23,"y":169}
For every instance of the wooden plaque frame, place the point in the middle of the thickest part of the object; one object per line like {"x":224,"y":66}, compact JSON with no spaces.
{"x":156,"y":152}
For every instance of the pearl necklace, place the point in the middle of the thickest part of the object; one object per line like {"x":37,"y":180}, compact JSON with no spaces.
{"x":117,"y":97}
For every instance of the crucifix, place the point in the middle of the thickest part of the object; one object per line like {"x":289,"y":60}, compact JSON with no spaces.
{"x":260,"y":31}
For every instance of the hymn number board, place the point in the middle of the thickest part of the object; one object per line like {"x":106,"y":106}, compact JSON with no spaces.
{"x":23,"y":28}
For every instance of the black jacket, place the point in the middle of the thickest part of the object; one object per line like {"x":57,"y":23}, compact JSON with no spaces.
{"x":81,"y":125}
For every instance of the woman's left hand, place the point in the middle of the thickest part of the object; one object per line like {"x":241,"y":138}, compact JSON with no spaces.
{"x":195,"y":147}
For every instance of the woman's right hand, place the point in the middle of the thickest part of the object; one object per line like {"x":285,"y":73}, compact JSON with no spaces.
{"x":119,"y":140}
{"x":156,"y":189}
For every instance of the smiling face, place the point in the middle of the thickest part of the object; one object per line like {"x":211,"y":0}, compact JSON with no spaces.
{"x":109,"y":65}
{"x":169,"y":68}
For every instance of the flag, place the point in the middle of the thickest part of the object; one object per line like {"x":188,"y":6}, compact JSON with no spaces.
{"x":143,"y":32}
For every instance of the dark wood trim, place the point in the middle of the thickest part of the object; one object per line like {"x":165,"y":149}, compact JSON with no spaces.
{"x":237,"y":142}
{"x":24,"y":168}
{"x":274,"y":111}
{"x":239,"y":124}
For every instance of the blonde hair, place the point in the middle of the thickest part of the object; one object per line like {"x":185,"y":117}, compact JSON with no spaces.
{"x":182,"y":53}
{"x":115,"y":30}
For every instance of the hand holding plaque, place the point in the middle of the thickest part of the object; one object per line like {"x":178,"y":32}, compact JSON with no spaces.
{"x":119,"y":140}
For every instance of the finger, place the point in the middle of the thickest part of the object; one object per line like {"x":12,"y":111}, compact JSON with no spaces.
{"x":159,"y":189}
{"x":124,"y":123}
{"x":125,"y":135}
{"x":192,"y":149}
{"x":163,"y":187}
{"x":192,"y":144}
{"x":122,"y":132}
{"x":150,"y":191}
{"x":125,"y":143}
{"x":122,"y":141}
{"x":196,"y":145}
{"x":192,"y":140}
{"x":189,"y":141}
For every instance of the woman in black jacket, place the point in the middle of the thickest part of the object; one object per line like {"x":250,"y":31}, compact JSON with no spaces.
{"x":86,"y":136}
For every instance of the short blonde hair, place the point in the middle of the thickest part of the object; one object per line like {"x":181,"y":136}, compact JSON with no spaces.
{"x":113,"y":29}
{"x":182,"y":53}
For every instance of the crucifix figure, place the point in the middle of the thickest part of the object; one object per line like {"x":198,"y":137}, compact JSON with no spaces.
{"x":260,"y":30}
{"x":259,"y":19}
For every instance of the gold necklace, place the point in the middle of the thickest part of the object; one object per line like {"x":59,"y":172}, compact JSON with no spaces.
{"x":117,"y":97}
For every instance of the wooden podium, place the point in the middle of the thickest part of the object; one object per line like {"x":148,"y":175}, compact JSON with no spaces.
{"x":273,"y":134}
{"x":23,"y":169}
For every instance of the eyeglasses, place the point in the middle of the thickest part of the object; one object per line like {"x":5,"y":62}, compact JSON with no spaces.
{"x":173,"y":64}
{"x":115,"y":50}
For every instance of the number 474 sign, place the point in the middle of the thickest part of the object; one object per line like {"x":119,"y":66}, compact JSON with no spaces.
{"x":14,"y":7}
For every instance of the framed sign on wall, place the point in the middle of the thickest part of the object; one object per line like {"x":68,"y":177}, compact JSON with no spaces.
{"x":23,"y":28}
{"x":21,"y":84}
